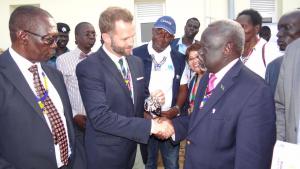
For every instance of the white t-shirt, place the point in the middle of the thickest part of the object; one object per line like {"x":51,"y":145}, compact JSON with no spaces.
{"x":255,"y":59}
{"x":163,"y":79}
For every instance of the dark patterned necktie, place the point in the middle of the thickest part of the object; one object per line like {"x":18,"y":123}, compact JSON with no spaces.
{"x":46,"y":104}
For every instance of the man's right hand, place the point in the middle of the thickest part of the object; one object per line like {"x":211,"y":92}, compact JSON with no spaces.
{"x":80,"y":121}
{"x":162,"y":128}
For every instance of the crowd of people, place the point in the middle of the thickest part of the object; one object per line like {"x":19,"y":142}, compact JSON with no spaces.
{"x":227,"y":94}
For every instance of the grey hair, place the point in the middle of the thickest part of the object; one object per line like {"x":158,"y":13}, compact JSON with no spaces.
{"x":231,"y":31}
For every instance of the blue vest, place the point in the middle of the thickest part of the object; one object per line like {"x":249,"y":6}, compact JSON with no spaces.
{"x":174,"y":44}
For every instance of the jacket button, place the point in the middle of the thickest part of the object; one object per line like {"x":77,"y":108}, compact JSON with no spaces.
{"x":188,"y":142}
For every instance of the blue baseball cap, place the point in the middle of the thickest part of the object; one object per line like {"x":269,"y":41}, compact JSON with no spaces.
{"x":167,"y":23}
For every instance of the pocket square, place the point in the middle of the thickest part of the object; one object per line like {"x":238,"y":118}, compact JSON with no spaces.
{"x":140,"y":78}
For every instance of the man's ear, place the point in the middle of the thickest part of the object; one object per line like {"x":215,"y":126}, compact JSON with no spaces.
{"x":22,"y":37}
{"x":228,"y":48}
{"x":106,"y":38}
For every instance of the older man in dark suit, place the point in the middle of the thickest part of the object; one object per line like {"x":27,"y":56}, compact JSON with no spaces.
{"x":233,"y":122}
{"x":35,"y":115}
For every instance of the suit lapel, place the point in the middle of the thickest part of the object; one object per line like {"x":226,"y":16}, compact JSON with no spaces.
{"x":112,"y":68}
{"x":13,"y":73}
{"x":224,"y":85}
{"x":56,"y":82}
{"x":198,"y":99}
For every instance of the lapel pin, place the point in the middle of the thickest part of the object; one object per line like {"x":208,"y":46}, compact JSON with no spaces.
{"x":222,"y":87}
{"x":213,"y":111}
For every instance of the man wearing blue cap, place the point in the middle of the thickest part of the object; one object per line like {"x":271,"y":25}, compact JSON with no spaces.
{"x":164,"y":69}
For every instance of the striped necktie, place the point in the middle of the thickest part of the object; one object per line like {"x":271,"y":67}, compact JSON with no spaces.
{"x":209,"y":88}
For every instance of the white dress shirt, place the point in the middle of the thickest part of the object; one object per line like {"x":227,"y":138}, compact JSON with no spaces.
{"x":116,"y":59}
{"x":221,"y":73}
{"x":24,"y":65}
{"x":67,"y":63}
{"x":182,"y":47}
{"x":255,"y":59}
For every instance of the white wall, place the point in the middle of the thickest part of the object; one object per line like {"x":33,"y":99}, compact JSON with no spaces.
{"x":68,"y":11}
{"x":73,"y":12}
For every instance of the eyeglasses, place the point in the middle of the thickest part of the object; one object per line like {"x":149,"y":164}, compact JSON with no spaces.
{"x":47,"y":39}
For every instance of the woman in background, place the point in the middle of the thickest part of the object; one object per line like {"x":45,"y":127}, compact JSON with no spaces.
{"x":196,"y":64}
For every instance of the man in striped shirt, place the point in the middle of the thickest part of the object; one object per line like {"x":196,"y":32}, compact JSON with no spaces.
{"x":85,"y":38}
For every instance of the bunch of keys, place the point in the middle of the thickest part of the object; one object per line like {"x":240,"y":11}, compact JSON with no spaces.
{"x":152,"y":106}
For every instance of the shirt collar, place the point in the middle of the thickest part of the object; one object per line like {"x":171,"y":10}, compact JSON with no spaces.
{"x":221,"y":73}
{"x":165,"y":52}
{"x":77,"y":49}
{"x":259,"y":43}
{"x":180,"y":41}
{"x":21,"y":61}
{"x":113,"y":57}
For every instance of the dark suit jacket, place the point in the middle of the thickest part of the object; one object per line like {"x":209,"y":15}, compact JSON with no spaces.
{"x":235,"y":128}
{"x":113,"y":127}
{"x":174,"y":43}
{"x":272,"y":73}
{"x":26,"y":141}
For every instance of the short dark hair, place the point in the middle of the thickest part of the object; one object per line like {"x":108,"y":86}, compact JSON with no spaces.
{"x":79,"y":26}
{"x":24,"y":17}
{"x":254,"y":15}
{"x":265,"y":32}
{"x":193,"y":18}
{"x":193,"y":47}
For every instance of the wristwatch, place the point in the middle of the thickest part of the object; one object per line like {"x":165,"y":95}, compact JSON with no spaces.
{"x":178,"y":109}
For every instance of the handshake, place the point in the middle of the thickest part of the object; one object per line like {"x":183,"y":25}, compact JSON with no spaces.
{"x":162,"y":128}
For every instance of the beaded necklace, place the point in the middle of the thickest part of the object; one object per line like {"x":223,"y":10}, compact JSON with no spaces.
{"x":245,"y":58}
{"x":157,"y":65}
{"x":40,"y":100}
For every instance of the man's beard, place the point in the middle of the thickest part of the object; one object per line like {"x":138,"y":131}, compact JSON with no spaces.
{"x":119,"y":50}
